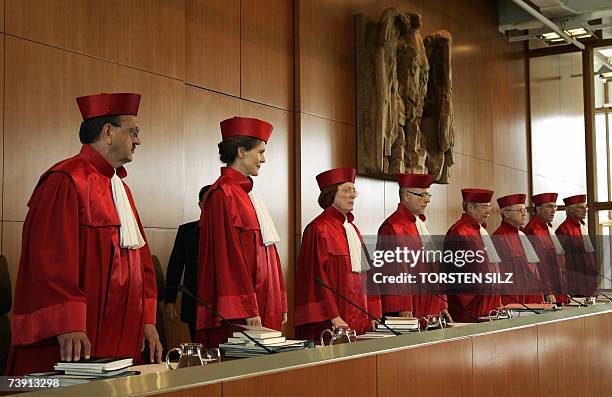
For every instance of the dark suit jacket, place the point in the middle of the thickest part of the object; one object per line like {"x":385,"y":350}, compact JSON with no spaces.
{"x":184,"y":257}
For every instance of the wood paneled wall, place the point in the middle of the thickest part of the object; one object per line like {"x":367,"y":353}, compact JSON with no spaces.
{"x":197,"y":62}
{"x":489,"y":100}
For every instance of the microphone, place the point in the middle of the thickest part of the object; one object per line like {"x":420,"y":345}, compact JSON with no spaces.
{"x":598,"y":291}
{"x":322,"y":284}
{"x":240,"y":327}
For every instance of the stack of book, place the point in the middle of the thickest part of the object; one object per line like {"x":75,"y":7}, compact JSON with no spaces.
{"x":400,"y":324}
{"x":241,"y":346}
{"x":83,"y":371}
{"x":529,"y":309}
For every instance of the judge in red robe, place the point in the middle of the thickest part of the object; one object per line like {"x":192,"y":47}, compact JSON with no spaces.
{"x":239,"y":270}
{"x":332,"y":250}
{"x":86,"y":283}
{"x":581,"y":268}
{"x":548,"y":248}
{"x":406,"y":228}
{"x":469,"y":233}
{"x":516,"y":252}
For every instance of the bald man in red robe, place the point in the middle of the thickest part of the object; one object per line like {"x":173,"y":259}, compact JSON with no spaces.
{"x":239,"y":270}
{"x":516,"y":252}
{"x":548,"y":248}
{"x":405,"y":228}
{"x":86,"y":283}
{"x":579,"y":252}
{"x":332,"y":251}
{"x":469,"y":233}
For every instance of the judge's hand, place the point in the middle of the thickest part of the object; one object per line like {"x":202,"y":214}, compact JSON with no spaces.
{"x":170,"y":311}
{"x":374,"y":324}
{"x":446,"y":314}
{"x":254,"y":321}
{"x":339,"y":322}
{"x":407,"y":313}
{"x":73,"y":345}
{"x":155,"y":347}
{"x":284,"y":318}
{"x":550,"y":299}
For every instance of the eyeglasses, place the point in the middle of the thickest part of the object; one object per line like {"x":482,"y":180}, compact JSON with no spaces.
{"x":350,"y":192}
{"x":582,"y":207}
{"x":485,"y":205}
{"x":553,"y":206}
{"x":521,"y":210}
{"x":423,"y":195}
{"x":133,"y":131}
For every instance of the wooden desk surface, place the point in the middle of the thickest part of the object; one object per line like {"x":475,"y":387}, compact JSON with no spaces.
{"x":483,"y":350}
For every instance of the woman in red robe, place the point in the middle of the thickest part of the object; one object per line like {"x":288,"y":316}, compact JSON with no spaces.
{"x":332,"y":250}
{"x":239,"y":270}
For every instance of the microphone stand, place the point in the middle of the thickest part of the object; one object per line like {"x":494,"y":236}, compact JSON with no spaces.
{"x":186,"y":291}
{"x":320,"y":282}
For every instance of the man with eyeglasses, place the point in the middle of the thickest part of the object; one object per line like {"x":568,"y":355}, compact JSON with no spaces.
{"x":580,"y":262}
{"x":86,"y":284}
{"x":516,"y":252}
{"x":548,"y":248}
{"x":468,"y":234}
{"x":406,"y":228}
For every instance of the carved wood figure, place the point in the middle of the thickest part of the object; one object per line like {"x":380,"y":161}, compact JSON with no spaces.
{"x":404,"y":97}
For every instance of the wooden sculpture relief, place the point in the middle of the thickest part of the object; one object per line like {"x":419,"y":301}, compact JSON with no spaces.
{"x":404,"y":97}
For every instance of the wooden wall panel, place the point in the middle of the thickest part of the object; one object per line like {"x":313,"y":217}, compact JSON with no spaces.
{"x":33,"y":144}
{"x":327,"y":59}
{"x":506,"y":363}
{"x":145,"y":34}
{"x":213,"y":45}
{"x":325,"y":144}
{"x":598,"y":331}
{"x":369,"y":208}
{"x":443,"y":369}
{"x":349,"y":378}
{"x":468,"y":172}
{"x":562,"y":360}
{"x":1,"y":107}
{"x":1,"y":15}
{"x":204,"y":110}
{"x":275,"y":184}
{"x":266,"y":52}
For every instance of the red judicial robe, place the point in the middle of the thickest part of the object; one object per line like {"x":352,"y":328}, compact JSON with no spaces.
{"x":73,"y":275}
{"x":580,"y":265}
{"x":465,"y":235}
{"x":512,"y":254}
{"x":399,"y":230}
{"x":552,"y":266}
{"x":237,"y":274}
{"x":325,"y":253}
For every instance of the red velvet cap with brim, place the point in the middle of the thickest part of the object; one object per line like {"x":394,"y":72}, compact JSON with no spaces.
{"x":543,"y":198}
{"x":578,"y":199}
{"x":103,"y":104}
{"x":336,"y":175}
{"x":422,"y":181}
{"x":246,"y":126}
{"x":512,"y":199}
{"x":476,"y":195}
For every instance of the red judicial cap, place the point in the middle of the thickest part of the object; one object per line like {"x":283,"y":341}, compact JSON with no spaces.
{"x":103,"y":104}
{"x":511,"y":199}
{"x":336,"y":175}
{"x":246,"y":126}
{"x":580,"y":198}
{"x":422,"y":181}
{"x":542,"y":198}
{"x":477,"y":195}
